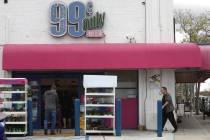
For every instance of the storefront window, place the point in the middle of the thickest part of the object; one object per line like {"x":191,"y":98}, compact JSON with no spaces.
{"x":127,"y":83}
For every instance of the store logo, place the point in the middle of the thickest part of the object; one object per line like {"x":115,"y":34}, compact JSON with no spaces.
{"x":76,"y":20}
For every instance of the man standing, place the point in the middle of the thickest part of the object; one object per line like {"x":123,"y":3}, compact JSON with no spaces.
{"x":51,"y":100}
{"x":168,"y":108}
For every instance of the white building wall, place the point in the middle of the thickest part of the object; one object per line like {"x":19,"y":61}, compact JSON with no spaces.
{"x":29,"y":21}
{"x":159,"y":21}
{"x":159,"y":29}
{"x":168,"y":80}
{"x":142,"y":97}
{"x":1,"y":71}
{"x":153,"y":90}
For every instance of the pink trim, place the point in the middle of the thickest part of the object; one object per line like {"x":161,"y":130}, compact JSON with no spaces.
{"x":13,"y":81}
{"x":100,"y":56}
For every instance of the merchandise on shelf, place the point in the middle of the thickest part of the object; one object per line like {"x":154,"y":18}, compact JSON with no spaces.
{"x":13,"y":93}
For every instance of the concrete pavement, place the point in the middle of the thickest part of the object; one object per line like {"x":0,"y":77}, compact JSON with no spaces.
{"x":126,"y":135}
{"x":193,"y":128}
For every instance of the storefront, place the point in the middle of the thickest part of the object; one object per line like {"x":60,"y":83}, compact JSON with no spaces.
{"x":61,"y":41}
{"x":66,"y":70}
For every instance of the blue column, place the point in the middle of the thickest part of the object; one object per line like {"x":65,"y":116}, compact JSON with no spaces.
{"x":30,"y":119}
{"x":118,"y":117}
{"x":77,"y":116}
{"x":159,"y":118}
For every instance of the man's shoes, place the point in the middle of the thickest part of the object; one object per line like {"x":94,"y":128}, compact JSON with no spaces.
{"x":45,"y":132}
{"x":174,"y":130}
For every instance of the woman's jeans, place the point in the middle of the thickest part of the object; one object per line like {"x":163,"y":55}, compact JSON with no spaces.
{"x":50,"y":114}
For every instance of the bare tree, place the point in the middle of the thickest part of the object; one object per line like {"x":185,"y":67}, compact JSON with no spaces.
{"x":195,"y":27}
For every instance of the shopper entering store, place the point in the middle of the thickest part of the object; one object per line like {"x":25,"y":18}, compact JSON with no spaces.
{"x":168,"y":108}
{"x":51,"y":101}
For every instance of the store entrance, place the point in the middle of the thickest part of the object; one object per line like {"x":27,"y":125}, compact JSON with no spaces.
{"x":67,"y":90}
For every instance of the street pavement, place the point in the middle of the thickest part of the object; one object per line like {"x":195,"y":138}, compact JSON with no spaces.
{"x":193,"y":128}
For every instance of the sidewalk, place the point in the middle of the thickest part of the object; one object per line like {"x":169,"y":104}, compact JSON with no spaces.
{"x":126,"y":135}
{"x":193,"y":128}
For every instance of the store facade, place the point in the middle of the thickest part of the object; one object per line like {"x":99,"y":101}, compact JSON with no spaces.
{"x":59,"y":42}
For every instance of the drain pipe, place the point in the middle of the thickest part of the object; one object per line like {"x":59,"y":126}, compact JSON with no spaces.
{"x":145,"y":16}
{"x":145,"y":99}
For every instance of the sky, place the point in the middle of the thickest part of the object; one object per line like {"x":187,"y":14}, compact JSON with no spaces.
{"x":195,"y":5}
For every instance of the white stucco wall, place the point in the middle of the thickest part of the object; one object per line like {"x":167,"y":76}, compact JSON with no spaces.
{"x":149,"y":94}
{"x":159,"y":21}
{"x":168,"y":80}
{"x":29,"y":21}
{"x":159,"y":29}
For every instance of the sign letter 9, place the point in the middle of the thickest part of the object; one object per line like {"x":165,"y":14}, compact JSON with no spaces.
{"x":58,"y":19}
{"x":60,"y":24}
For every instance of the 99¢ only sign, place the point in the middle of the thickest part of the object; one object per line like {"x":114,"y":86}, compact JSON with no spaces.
{"x":76,"y":19}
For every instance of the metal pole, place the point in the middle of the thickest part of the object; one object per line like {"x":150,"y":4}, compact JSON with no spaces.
{"x":30,"y":121}
{"x":118,"y":117}
{"x":77,"y":116}
{"x":159,"y":118}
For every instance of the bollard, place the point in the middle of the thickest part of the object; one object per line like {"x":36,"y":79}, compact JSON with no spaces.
{"x":86,"y":137}
{"x":118,"y":117}
{"x":77,"y":116}
{"x":2,"y":126}
{"x":30,"y":120}
{"x":159,"y":118}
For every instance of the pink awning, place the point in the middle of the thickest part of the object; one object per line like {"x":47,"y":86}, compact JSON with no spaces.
{"x":99,"y":56}
{"x":205,"y":53}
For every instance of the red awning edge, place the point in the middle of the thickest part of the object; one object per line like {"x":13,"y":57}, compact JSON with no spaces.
{"x":18,"y":57}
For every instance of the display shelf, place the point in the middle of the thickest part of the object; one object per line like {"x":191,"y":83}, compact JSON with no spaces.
{"x":100,"y":94}
{"x":14,"y":102}
{"x":16,"y":123}
{"x":99,"y":99}
{"x":15,"y":133}
{"x":100,"y":131}
{"x":100,"y":116}
{"x":15,"y":113}
{"x":100,"y":105}
{"x":14,"y":95}
{"x":13,"y":92}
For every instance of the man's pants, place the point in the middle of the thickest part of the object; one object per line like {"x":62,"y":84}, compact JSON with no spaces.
{"x":170,"y":116}
{"x":52,"y":115}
